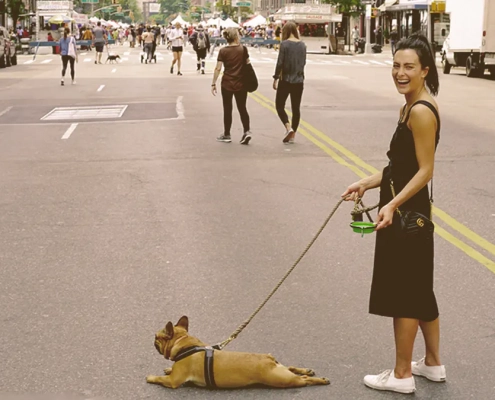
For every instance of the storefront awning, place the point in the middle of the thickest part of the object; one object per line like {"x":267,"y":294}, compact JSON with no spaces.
{"x":405,"y":5}
{"x":309,"y":14}
{"x":387,"y":4}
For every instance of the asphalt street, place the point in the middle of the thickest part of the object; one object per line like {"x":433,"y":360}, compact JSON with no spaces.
{"x":120,"y":212}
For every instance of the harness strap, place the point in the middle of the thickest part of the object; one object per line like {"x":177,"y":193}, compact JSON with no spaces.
{"x":209,"y":351}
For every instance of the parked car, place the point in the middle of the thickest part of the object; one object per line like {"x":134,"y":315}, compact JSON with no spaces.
{"x":8,"y":52}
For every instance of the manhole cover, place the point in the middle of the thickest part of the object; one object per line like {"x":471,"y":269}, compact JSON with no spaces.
{"x":92,"y":112}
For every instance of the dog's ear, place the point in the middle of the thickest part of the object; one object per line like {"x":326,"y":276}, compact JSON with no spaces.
{"x":183,"y":323}
{"x":169,"y":330}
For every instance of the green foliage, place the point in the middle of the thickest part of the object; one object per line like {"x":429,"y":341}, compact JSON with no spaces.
{"x":14,"y":9}
{"x":170,"y":7}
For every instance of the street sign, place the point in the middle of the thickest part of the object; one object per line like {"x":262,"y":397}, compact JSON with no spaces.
{"x":242,"y":4}
{"x":90,"y":1}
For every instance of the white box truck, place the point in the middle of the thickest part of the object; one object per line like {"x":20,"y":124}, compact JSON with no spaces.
{"x":471,"y":41}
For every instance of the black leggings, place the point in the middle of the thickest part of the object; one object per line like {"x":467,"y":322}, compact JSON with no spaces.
{"x":65,"y":60}
{"x":240,"y":100}
{"x":295,"y":90}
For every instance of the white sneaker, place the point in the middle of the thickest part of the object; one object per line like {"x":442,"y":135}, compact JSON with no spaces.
{"x":74,"y":82}
{"x":387,"y":381}
{"x":435,"y":373}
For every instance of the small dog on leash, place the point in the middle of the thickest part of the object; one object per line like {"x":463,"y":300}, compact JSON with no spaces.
{"x":113,"y":58}
{"x":194,"y":363}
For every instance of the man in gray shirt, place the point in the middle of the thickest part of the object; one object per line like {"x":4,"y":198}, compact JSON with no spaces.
{"x":99,"y":41}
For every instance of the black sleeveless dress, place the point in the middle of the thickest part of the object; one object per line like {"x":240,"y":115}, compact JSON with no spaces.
{"x":402,"y":285}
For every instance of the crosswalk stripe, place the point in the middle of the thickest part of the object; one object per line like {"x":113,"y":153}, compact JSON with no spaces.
{"x":87,"y":59}
{"x":377,"y":62}
{"x":29,"y":62}
{"x":389,"y":62}
{"x":361,"y":62}
{"x":46,"y":61}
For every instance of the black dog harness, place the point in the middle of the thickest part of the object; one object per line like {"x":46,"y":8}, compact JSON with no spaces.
{"x":189,"y":351}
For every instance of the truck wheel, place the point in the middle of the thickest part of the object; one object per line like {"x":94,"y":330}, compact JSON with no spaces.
{"x":8,"y":61}
{"x":446,"y":65}
{"x":14,"y":59}
{"x":2,"y":61}
{"x":471,"y":72}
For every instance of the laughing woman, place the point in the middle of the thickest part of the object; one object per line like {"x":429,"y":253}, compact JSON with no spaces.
{"x":289,"y":79}
{"x":402,"y":285}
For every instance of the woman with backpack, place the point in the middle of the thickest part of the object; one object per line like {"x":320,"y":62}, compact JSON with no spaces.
{"x":201,"y":45}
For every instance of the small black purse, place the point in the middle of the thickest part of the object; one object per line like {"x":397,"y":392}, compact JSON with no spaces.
{"x":413,"y":223}
{"x":249,"y":78}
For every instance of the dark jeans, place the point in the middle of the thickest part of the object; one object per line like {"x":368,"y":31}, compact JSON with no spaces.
{"x":65,"y":61}
{"x":148,"y":47}
{"x":295,"y":90}
{"x":240,"y":100}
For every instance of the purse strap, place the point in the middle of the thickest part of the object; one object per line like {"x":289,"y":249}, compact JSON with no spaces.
{"x":431,"y":194}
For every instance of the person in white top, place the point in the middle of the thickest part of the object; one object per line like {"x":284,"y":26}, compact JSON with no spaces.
{"x":168,"y":34}
{"x":177,"y":39}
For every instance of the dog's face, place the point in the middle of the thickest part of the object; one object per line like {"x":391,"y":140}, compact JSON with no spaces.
{"x":165,"y":338}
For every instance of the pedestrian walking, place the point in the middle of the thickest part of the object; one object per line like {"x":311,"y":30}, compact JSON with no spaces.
{"x":355,"y":38}
{"x":393,"y":38}
{"x":99,"y":41}
{"x":68,"y":51}
{"x":148,"y":40}
{"x":402,"y":285}
{"x":232,"y":57}
{"x":177,"y":40}
{"x":289,"y":78}
{"x":201,"y":45}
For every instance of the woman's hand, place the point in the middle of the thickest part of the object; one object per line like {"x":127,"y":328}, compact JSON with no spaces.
{"x":214,"y":89}
{"x":275,"y":84}
{"x":357,"y":189}
{"x":385,"y":217}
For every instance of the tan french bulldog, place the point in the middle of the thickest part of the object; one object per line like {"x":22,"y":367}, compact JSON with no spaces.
{"x":229,"y":369}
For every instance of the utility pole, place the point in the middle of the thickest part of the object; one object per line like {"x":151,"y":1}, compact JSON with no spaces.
{"x":367,"y":49}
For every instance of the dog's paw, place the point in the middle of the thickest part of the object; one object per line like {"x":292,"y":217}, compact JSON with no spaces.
{"x":151,"y":379}
{"x":309,"y":372}
{"x":326,"y":381}
{"x":167,"y":371}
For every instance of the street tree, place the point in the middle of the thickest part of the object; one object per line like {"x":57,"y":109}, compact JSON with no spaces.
{"x":170,"y":7}
{"x":14,"y":9}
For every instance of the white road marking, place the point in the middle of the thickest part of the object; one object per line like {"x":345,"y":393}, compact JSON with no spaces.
{"x":377,"y":62}
{"x":159,"y":58}
{"x":87,"y":59}
{"x":69,"y":131}
{"x":113,"y":70}
{"x":126,"y":53}
{"x":361,"y":62}
{"x":28,"y":62}
{"x":344,"y":62}
{"x":46,"y":61}
{"x":389,"y":62}
{"x":100,"y":88}
{"x":268,"y":59}
{"x":125,"y":59}
{"x":5,"y":111}
{"x":179,"y":108}
{"x":83,"y":54}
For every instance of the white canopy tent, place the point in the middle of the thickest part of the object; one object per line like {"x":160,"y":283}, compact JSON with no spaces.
{"x":214,"y":22}
{"x":228,"y":23}
{"x":180,"y":20}
{"x":259,"y":20}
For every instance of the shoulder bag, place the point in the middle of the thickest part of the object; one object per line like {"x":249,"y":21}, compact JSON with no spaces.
{"x":249,"y":79}
{"x":412,"y":223}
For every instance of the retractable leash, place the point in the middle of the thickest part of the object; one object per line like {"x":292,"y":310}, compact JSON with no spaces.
{"x":357,"y":216}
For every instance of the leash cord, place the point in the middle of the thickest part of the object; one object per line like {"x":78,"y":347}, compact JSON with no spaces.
{"x":234,"y":335}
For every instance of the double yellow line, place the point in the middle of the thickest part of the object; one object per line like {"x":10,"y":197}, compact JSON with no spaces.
{"x":350,"y":160}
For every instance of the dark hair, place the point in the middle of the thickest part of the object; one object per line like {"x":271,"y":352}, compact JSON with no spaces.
{"x":290,"y":28}
{"x":66,"y":32}
{"x":419,"y":43}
